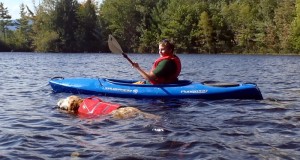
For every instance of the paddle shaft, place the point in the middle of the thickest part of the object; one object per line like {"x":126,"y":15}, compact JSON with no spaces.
{"x":128,"y":59}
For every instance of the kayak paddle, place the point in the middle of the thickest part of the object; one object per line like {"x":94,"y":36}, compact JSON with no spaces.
{"x":115,"y":47}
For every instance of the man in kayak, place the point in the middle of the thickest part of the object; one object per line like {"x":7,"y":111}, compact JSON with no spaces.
{"x":165,"y":69}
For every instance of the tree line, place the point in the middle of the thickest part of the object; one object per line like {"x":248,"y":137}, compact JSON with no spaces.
{"x":195,"y":26}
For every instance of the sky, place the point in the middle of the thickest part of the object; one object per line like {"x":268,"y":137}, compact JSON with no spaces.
{"x":13,"y":6}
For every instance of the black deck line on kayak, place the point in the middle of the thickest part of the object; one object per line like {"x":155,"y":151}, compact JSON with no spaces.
{"x":165,"y":91}
{"x":100,"y":81}
{"x":250,"y":83}
{"x":57,"y":78}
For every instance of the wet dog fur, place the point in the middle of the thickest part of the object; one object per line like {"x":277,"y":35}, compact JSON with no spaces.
{"x":72,"y":103}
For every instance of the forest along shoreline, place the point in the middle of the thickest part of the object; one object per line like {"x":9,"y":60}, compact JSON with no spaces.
{"x":247,"y":27}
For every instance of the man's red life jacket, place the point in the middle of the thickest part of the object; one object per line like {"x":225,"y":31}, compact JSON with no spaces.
{"x":171,"y":79}
{"x":95,"y":106}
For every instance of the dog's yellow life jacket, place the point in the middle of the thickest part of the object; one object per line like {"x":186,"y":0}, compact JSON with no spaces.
{"x":95,"y":106}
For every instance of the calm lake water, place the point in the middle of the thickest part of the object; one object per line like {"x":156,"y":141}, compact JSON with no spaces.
{"x":31,"y":127}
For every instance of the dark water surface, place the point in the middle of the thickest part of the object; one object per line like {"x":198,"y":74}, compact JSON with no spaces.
{"x":31,"y":127}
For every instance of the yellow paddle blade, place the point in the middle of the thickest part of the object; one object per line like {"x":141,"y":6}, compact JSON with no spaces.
{"x":113,"y":45}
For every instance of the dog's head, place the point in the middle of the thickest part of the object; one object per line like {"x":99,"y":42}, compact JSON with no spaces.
{"x":70,"y":104}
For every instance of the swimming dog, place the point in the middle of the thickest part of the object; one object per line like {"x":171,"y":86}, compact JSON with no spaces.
{"x":94,"y":106}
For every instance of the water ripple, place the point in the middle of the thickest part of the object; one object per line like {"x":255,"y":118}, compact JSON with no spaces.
{"x":33,"y":128}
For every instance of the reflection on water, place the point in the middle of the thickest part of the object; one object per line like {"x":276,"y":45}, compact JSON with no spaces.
{"x":33,"y":128}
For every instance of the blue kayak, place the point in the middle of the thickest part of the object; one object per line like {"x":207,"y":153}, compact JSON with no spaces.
{"x":182,"y":89}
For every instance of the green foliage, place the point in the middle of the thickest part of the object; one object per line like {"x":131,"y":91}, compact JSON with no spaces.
{"x":201,"y":26}
{"x":4,"y":47}
{"x":66,"y":24}
{"x":88,"y":34}
{"x":123,"y":19}
{"x":179,"y":21}
{"x":296,"y":28}
{"x":47,"y":42}
{"x":69,"y":26}
{"x":4,"y":22}
{"x":149,"y":27}
{"x":283,"y":18}
{"x":205,"y":33}
{"x":45,"y":38}
{"x":21,"y":39}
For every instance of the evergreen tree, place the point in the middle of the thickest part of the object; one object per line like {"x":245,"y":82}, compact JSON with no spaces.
{"x":65,"y":22}
{"x":22,"y":34}
{"x":89,"y":33}
{"x":151,"y":25}
{"x":4,"y":21}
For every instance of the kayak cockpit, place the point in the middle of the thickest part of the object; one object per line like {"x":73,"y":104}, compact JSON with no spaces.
{"x":220,"y":84}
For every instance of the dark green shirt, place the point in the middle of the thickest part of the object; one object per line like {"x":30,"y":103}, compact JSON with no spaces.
{"x":165,"y":68}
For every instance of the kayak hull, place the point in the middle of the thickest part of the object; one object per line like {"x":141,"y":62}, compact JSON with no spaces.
{"x":182,"y":89}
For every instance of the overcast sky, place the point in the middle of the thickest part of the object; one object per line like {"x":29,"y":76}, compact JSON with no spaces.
{"x":13,"y":6}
